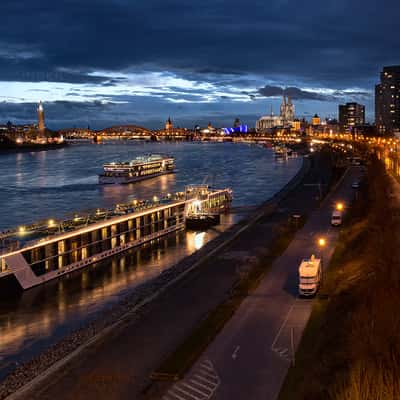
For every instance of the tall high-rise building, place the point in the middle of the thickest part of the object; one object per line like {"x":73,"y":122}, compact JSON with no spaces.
{"x":41,"y":124}
{"x":387,"y":101}
{"x":351,"y":115}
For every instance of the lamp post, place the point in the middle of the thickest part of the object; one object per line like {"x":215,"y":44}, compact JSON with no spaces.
{"x":321,"y":245}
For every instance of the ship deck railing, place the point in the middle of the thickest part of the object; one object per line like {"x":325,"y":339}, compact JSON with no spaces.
{"x":13,"y":240}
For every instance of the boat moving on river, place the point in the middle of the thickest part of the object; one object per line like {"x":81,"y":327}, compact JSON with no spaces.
{"x":138,"y":169}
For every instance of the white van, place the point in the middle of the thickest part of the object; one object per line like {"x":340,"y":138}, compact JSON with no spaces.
{"x":310,"y":272}
{"x":336,"y":219}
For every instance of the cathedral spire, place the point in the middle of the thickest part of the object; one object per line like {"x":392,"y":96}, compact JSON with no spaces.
{"x":169,"y":124}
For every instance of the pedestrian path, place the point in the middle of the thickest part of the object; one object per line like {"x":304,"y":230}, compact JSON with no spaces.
{"x":201,"y":384}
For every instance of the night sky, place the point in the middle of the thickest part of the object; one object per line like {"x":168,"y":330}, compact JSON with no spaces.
{"x":139,"y":61}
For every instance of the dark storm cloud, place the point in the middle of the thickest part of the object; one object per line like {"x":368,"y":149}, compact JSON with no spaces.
{"x":300,"y":94}
{"x":335,"y":43}
{"x":294,"y":92}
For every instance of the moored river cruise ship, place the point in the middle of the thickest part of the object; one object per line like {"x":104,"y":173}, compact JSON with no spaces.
{"x":140,"y":168}
{"x":34,"y":254}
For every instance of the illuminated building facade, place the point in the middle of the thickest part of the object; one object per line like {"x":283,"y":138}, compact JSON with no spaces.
{"x":387,"y":101}
{"x":169,"y":124}
{"x":316,"y":120}
{"x":296,"y":126}
{"x":351,"y":115}
{"x":285,"y":119}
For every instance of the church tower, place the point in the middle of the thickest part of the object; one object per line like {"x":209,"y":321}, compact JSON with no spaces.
{"x":41,"y":125}
{"x":283,"y":108}
{"x":287,"y":109}
{"x":290,"y":110}
{"x":168,"y":124}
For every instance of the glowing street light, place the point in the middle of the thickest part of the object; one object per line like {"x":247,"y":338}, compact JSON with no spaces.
{"x":321,"y":242}
{"x":339,"y":206}
{"x":21,"y":229}
{"x":51,"y":223}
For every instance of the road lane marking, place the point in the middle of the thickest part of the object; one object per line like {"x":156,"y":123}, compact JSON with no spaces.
{"x":235,"y":353}
{"x":206,"y":370}
{"x":204,"y":379}
{"x":172,"y":395}
{"x":282,"y":326}
{"x":194,"y":389}
{"x":185,"y":392}
{"x":207,"y":375}
{"x":201,"y":384}
{"x":207,"y":366}
{"x":283,"y":353}
{"x":194,"y":382}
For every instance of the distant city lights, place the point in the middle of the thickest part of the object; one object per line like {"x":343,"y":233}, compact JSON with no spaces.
{"x":237,"y":129}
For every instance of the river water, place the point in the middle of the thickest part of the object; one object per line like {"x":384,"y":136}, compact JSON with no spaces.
{"x":54,"y":184}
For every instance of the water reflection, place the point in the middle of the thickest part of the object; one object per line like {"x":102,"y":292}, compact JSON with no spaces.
{"x":35,"y":319}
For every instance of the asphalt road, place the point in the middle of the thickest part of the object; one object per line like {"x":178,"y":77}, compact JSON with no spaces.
{"x":251,"y":355}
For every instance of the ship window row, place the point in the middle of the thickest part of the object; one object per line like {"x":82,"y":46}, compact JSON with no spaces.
{"x":59,"y":254}
{"x":133,"y":172}
{"x":158,"y":165}
{"x":216,"y":200}
{"x":151,"y":171}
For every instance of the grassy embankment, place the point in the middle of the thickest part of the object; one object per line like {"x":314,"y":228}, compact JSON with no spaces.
{"x":351,"y":347}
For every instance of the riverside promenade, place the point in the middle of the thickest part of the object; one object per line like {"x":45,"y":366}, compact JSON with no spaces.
{"x":119,"y":363}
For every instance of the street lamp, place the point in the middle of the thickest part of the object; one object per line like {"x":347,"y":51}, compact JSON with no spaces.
{"x":339,"y":206}
{"x":321,"y":245}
